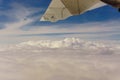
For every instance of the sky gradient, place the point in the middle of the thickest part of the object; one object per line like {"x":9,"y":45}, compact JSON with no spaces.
{"x":83,"y":47}
{"x":20,"y":21}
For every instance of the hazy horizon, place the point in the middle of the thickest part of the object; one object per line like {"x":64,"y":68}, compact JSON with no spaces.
{"x":82,"y":47}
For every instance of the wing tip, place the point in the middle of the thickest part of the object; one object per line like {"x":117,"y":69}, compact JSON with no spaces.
{"x":42,"y":19}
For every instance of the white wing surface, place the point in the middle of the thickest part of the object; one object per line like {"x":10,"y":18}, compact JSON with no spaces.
{"x":62,"y":9}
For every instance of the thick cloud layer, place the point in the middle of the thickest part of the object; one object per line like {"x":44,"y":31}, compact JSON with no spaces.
{"x":68,"y":59}
{"x":67,"y":44}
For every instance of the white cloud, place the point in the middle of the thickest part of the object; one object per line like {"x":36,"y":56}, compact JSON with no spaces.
{"x":67,"y":59}
{"x":20,"y":13}
{"x":65,"y":44}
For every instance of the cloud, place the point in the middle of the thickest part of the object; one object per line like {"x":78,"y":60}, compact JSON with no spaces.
{"x":66,"y":59}
{"x":18,"y":15}
{"x":75,"y":44}
{"x":62,"y":59}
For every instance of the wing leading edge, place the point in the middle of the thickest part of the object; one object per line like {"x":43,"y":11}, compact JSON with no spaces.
{"x":62,"y":9}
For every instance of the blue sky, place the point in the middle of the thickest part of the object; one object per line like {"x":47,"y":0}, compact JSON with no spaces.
{"x":83,"y":47}
{"x":20,"y":21}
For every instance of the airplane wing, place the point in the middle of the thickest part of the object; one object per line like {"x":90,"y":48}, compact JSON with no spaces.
{"x":62,"y":9}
